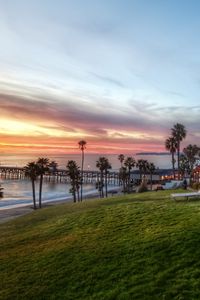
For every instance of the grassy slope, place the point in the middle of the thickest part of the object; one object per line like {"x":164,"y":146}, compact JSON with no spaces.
{"x":142,"y":246}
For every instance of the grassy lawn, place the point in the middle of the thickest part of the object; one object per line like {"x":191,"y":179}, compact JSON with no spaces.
{"x":142,"y":246}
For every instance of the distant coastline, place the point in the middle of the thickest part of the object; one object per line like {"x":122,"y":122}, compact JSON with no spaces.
{"x":153,"y":153}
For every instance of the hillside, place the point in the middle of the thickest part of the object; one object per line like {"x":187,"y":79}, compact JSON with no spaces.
{"x":142,"y":246}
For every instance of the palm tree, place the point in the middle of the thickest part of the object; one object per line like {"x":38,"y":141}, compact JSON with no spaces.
{"x":179,"y":133}
{"x":129,"y":163}
{"x":31,"y":171}
{"x":151,"y":169}
{"x":82,"y":146}
{"x":53,"y":166}
{"x":171,"y":145}
{"x":184,"y":165}
{"x":73,"y":171}
{"x":107,"y":166}
{"x":123,"y":176}
{"x":142,"y":165}
{"x":43,"y":167}
{"x":100,"y":165}
{"x":191,"y":152}
{"x":103,"y":165}
{"x":121,"y":158}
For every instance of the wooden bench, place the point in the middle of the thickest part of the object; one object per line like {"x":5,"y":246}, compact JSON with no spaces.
{"x":186,"y":195}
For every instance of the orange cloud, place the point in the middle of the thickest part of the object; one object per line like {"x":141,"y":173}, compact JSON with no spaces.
{"x":37,"y":124}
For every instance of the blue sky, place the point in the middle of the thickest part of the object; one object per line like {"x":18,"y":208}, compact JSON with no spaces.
{"x":120,"y":71}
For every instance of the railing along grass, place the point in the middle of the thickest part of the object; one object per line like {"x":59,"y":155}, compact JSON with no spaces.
{"x":140,"y":246}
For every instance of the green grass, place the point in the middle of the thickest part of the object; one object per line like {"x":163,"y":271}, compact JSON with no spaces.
{"x":142,"y":246}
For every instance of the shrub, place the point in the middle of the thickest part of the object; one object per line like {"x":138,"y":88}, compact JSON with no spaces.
{"x":196,"y":185}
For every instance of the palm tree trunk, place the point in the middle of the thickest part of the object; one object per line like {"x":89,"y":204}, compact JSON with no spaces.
{"x":78,"y":194}
{"x":106,"y":187}
{"x":33,"y":189}
{"x":151,"y":181}
{"x":74,"y":191}
{"x":99,"y":187}
{"x":178,"y":158}
{"x":129,"y":179}
{"x":102,"y":192}
{"x":82,"y":175}
{"x":124,"y":185}
{"x":173,"y":164}
{"x":40,"y":191}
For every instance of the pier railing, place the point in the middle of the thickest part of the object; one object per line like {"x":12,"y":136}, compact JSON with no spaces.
{"x":59,"y":176}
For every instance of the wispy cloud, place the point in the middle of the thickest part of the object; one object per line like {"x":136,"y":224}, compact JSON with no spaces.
{"x":145,"y":124}
{"x":108,"y":80}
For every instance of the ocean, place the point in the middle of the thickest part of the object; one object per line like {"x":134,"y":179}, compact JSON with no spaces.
{"x":160,"y":161}
{"x":19,"y":192}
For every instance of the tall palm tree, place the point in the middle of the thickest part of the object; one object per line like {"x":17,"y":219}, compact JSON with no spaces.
{"x":107,"y":166}
{"x":129,"y":163}
{"x":142,"y":165}
{"x":179,"y":133}
{"x":31,"y":171}
{"x":103,"y":165}
{"x":73,"y":171}
{"x":123,"y":176}
{"x":121,"y":158}
{"x":82,"y":146}
{"x":171,"y":145}
{"x":100,"y":166}
{"x":43,"y":167}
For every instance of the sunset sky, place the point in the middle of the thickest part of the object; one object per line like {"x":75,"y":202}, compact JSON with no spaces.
{"x":117,"y":73}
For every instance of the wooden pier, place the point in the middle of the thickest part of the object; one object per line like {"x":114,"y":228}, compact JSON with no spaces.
{"x":59,"y":176}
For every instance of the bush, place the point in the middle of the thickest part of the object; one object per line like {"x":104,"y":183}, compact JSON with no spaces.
{"x":196,"y":185}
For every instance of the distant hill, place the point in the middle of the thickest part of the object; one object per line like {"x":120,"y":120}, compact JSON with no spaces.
{"x":153,"y":153}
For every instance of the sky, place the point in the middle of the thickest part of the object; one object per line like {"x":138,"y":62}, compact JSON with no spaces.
{"x":118,"y":74}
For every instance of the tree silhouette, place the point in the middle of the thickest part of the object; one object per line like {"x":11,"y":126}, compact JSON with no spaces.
{"x":184,"y":165}
{"x":43,"y":167}
{"x":123,"y":176}
{"x":129,"y":163}
{"x":151,"y":169}
{"x":171,"y":145}
{"x":73,"y":171}
{"x":32,"y":172}
{"x":179,"y":133}
{"x":82,"y":146}
{"x":103,"y":165}
{"x":53,"y":166}
{"x":121,"y":158}
{"x":142,"y":165}
{"x":190,"y":152}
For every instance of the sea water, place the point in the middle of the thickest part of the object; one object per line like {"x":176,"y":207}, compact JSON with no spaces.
{"x":19,"y":192}
{"x":160,"y":161}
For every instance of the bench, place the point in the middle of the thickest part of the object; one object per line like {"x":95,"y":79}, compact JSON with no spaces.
{"x":186,"y":195}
